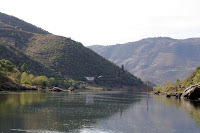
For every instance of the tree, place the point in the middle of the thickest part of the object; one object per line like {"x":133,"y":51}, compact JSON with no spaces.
{"x":24,"y":67}
{"x":119,"y":73}
{"x":168,"y":84}
{"x":177,"y":80}
{"x":31,"y":77}
{"x":198,"y":68}
{"x":41,"y":81}
{"x":24,"y":78}
{"x":52,"y":81}
{"x":123,"y":69}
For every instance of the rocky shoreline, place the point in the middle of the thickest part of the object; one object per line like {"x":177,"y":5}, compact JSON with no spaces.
{"x":192,"y":92}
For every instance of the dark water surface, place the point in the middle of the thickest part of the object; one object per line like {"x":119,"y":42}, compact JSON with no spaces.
{"x":96,"y":112}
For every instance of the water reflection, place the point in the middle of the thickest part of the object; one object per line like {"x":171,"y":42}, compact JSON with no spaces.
{"x":96,"y":111}
{"x":147,"y":102}
{"x":159,"y":118}
{"x":12,"y":106}
{"x":193,"y":108}
{"x":62,"y":112}
{"x":11,"y":101}
{"x":189,"y":106}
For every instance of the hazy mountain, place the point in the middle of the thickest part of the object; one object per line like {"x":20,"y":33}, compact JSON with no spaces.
{"x":63,"y":56}
{"x":155,"y":59}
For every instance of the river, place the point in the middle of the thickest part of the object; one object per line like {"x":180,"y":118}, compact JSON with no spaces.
{"x":96,"y":112}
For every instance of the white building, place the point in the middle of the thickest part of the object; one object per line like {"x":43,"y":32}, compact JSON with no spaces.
{"x":89,"y":78}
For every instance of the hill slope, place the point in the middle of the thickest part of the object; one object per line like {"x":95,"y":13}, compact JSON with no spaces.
{"x":19,"y":58}
{"x":155,"y":59}
{"x":56,"y":54}
{"x":13,"y":22}
{"x":180,"y":86}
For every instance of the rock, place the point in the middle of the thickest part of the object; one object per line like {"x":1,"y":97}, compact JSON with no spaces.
{"x":173,"y":94}
{"x":168,"y":96}
{"x":71,"y":88}
{"x":178,"y":95}
{"x":157,"y":93}
{"x":192,"y":92}
{"x":56,"y":89}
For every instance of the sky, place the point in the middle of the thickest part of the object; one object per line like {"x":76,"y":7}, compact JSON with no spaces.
{"x":109,"y":22}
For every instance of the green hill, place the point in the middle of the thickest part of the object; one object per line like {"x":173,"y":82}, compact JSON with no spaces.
{"x":47,"y":54}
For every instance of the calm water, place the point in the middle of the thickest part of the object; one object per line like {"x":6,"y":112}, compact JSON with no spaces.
{"x":96,"y":111}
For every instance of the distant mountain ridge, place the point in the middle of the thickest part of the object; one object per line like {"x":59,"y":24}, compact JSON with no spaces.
{"x":156,"y":59}
{"x":48,"y":54}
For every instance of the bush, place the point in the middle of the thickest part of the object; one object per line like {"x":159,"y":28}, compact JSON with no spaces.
{"x":41,"y":81}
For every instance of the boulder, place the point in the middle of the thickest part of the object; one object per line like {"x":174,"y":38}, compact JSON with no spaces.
{"x":157,"y":93}
{"x":168,"y":96}
{"x":192,"y":92}
{"x":71,"y":89}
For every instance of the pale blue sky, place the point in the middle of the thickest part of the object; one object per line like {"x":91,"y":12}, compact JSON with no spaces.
{"x":109,"y":22}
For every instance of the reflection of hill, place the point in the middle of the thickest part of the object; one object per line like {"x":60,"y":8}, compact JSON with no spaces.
{"x":191,"y":107}
{"x":64,"y":111}
{"x":12,"y":107}
{"x":12,"y":101}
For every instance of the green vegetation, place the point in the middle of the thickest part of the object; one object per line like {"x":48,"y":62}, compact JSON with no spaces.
{"x":9,"y":70}
{"x":18,"y":58}
{"x":13,"y":78}
{"x":179,"y":86}
{"x":24,"y":67}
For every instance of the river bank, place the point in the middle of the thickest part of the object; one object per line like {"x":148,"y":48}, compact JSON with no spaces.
{"x":192,"y":92}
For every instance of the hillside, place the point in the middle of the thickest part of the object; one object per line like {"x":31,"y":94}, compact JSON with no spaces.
{"x":180,"y":86}
{"x":13,"y":78}
{"x":192,"y":79}
{"x":48,"y":54}
{"x":19,"y":58}
{"x":156,"y":59}
{"x":12,"y":22}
